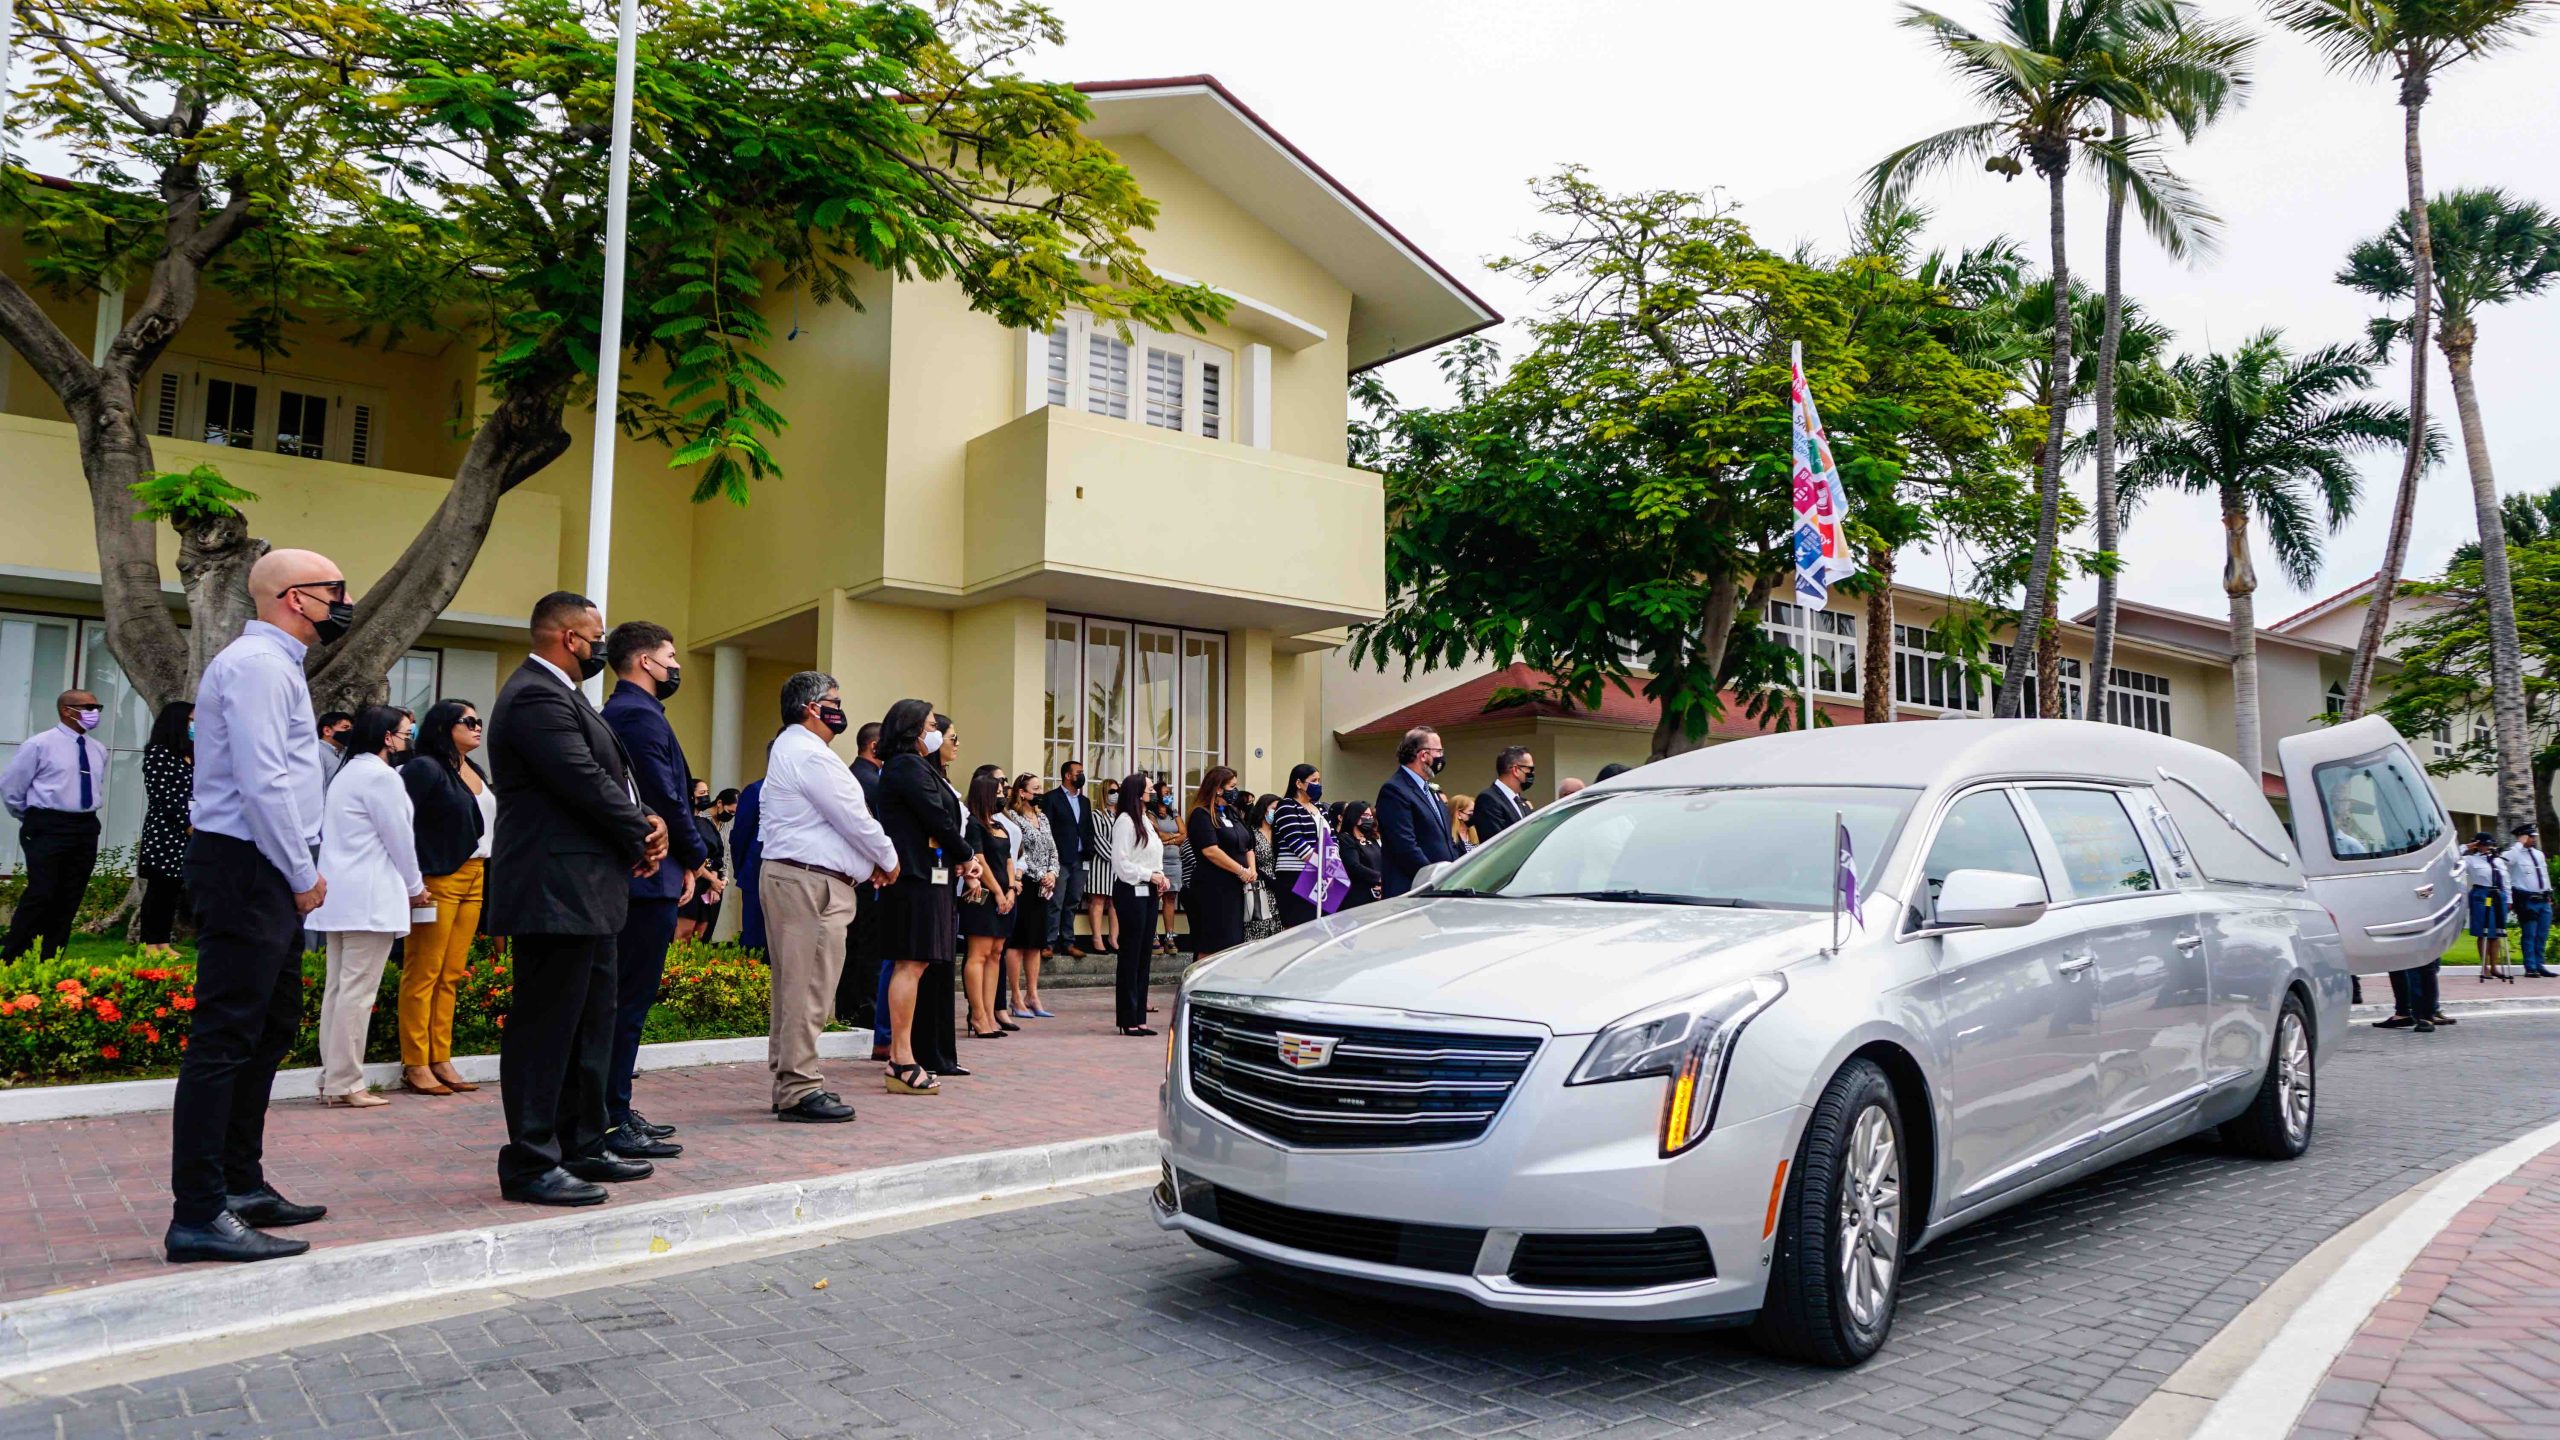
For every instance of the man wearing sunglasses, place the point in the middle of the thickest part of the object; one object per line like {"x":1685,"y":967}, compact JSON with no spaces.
{"x":55,"y":786}
{"x":253,"y":873}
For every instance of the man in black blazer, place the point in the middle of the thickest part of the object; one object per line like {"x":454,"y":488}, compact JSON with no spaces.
{"x":860,"y":988}
{"x":1505,"y":802}
{"x":1067,"y":808}
{"x":643,"y":656}
{"x":1413,"y":822}
{"x":571,"y":833}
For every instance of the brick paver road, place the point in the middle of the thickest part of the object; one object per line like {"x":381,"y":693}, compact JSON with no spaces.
{"x":84,"y":1202}
{"x":1081,"y":1319}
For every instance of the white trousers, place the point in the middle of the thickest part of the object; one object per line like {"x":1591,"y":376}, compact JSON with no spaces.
{"x":356,"y":958}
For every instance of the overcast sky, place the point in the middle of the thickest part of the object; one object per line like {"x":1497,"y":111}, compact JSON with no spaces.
{"x":1438,"y":113}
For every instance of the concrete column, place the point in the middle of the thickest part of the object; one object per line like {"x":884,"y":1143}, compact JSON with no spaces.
{"x":728,"y":714}
{"x":999,"y":681}
{"x":1249,"y":699}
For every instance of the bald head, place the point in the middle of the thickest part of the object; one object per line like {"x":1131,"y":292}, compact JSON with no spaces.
{"x":276,"y":586}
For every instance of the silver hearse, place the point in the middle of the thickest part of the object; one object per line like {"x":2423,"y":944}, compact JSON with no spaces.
{"x":1626,"y":1062}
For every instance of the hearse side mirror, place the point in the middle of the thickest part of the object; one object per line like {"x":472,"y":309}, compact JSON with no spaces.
{"x":1992,"y":899}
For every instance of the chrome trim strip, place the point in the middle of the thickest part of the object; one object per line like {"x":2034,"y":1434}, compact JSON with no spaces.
{"x":1373,"y":1016}
{"x":1336,"y":1117}
{"x":1388,"y":1087}
{"x":2094,"y":1139}
{"x":2228,"y":818}
{"x":1376,"y":1052}
{"x":2402,"y":929}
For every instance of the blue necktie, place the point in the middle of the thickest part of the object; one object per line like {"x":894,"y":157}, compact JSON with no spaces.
{"x":87,"y":800}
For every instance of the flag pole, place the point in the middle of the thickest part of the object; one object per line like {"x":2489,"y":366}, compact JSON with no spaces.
{"x":617,"y":233}
{"x":1835,"y":880}
{"x":1795,"y":368}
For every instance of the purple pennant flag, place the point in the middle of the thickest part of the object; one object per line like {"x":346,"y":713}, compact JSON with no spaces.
{"x":1325,"y":881}
{"x":1848,"y":881}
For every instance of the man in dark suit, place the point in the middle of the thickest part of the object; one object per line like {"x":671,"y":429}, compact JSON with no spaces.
{"x":860,"y":991}
{"x":1066,"y":808}
{"x":571,"y":833}
{"x":1413,"y":823}
{"x":643,"y":657}
{"x":1505,"y":802}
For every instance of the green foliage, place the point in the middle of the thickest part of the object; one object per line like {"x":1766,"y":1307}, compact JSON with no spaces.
{"x":188,"y":497}
{"x":2488,"y":250}
{"x":1613,"y":510}
{"x":2445,"y":655}
{"x":86,"y":1017}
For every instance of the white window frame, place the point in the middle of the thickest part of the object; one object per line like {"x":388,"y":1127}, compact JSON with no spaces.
{"x":1919,"y":657}
{"x":2138,"y":699}
{"x":1835,"y":631}
{"x":1071,"y":346}
{"x":2075,"y":686}
{"x":1072,"y":741}
{"x":173,"y":404}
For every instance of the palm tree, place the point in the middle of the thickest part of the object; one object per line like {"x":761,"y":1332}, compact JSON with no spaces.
{"x":2196,"y":67}
{"x":2409,"y":40}
{"x":2271,"y":436}
{"x":2046,"y":70}
{"x":2488,"y":250}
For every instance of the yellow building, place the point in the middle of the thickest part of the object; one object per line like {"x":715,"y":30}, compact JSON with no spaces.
{"x":1132,"y":548}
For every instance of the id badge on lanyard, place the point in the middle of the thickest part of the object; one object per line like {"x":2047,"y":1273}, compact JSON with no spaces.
{"x":941,"y":873}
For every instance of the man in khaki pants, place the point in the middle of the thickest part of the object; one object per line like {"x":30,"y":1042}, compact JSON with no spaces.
{"x":820,"y":844}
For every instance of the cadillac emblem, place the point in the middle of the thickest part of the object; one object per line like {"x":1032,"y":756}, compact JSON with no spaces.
{"x":1305,"y":1052}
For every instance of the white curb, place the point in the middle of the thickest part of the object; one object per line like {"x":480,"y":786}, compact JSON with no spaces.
{"x":202,"y":1302}
{"x":24,"y":1103}
{"x":2270,"y":1395}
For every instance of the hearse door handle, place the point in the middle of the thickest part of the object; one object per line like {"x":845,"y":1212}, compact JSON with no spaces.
{"x":2077,"y":963}
{"x":2427,"y":891}
{"x":2189,"y":943}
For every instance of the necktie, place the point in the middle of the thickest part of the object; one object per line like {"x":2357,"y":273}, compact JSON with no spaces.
{"x":88,"y":801}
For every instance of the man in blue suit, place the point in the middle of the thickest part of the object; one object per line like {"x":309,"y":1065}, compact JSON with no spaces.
{"x":1413,"y":823}
{"x":643,"y":657}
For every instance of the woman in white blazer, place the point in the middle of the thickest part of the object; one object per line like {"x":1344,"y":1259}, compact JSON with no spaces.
{"x":369,"y":857}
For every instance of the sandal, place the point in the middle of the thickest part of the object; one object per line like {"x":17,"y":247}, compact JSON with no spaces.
{"x":911,"y":1080}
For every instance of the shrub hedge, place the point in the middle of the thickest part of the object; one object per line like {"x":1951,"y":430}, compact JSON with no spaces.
{"x":77,"y":1018}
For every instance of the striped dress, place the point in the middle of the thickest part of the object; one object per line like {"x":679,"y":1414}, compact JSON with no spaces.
{"x":1097,"y":847}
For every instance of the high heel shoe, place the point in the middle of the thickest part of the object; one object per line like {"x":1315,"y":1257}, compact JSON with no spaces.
{"x":911,"y":1080}
{"x":976,"y":1034}
{"x":1005,"y":1025}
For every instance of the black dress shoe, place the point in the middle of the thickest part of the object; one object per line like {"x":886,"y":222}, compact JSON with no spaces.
{"x":818,"y":1107}
{"x":633,"y":1143}
{"x":554,"y":1186}
{"x":264,"y":1209}
{"x":640,"y":1122}
{"x":226,"y":1238}
{"x":608,"y":1167}
{"x":957,"y":1072}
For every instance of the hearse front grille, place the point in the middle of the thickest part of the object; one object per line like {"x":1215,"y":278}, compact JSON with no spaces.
{"x":1376,"y":1086}
{"x":1625,"y":1261}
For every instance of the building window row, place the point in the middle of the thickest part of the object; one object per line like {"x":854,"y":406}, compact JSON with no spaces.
{"x":1835,"y":644}
{"x":268,"y":411}
{"x":1924,"y":674}
{"x":1124,"y":697}
{"x":1172,"y":382}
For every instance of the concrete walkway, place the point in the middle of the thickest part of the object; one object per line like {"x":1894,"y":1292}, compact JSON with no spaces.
{"x":83,"y":1202}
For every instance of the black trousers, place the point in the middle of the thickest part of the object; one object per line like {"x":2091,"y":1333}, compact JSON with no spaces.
{"x":859,"y":985}
{"x":557,"y":1050}
{"x":162,"y":899}
{"x":1294,"y":912}
{"x":639,"y":967}
{"x":248,"y":1008}
{"x":936,"y":1045}
{"x":61,"y":847}
{"x":1137,"y":916}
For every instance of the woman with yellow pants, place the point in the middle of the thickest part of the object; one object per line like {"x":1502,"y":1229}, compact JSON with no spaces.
{"x":456,"y":810}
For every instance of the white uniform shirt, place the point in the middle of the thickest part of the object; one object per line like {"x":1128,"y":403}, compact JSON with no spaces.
{"x":2528,"y":870}
{"x":45,"y":773}
{"x":812,"y":811}
{"x":2480,"y":870}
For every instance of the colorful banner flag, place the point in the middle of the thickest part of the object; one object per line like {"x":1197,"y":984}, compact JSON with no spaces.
{"x":1821,"y":502}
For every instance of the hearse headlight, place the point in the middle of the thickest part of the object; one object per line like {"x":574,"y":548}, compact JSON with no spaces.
{"x":1691,"y":1041}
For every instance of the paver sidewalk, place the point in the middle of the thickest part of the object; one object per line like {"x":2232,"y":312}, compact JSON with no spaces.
{"x":2468,"y":1345}
{"x":83,"y":1202}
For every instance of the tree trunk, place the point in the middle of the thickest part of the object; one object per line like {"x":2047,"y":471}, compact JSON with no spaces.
{"x":2506,"y":647}
{"x":2240,"y":583}
{"x":2546,"y":766}
{"x":2102,"y":649}
{"x":1875,"y":661}
{"x":114,"y":455}
{"x":213,"y":559}
{"x":523,"y":434}
{"x":2049,"y":657}
{"x":1715,"y":633}
{"x":2404,"y":506}
{"x":2040,"y":562}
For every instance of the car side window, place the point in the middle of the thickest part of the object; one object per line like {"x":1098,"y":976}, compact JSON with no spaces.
{"x":1981,"y":832}
{"x":2101,"y":852}
{"x":2376,"y":804}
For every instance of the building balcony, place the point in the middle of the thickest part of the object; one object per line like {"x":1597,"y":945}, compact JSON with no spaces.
{"x":361,"y":516}
{"x":1110,"y":517}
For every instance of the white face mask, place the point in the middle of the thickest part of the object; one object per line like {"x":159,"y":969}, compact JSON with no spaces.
{"x":932,"y":741}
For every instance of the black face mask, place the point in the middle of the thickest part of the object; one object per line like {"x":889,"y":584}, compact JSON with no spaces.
{"x":674,"y":678}
{"x":591,"y":664}
{"x":1437,"y":761}
{"x":1528,"y":778}
{"x":1231,"y":795}
{"x":832,"y":716}
{"x":701,"y":804}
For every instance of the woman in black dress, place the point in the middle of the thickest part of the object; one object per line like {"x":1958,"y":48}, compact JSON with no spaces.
{"x":986,"y":906}
{"x":1361,"y":856}
{"x":1224,"y":847}
{"x":169,"y":783}
{"x":918,"y":926}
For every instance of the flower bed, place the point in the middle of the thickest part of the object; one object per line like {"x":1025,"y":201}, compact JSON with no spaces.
{"x":76,"y":1019}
